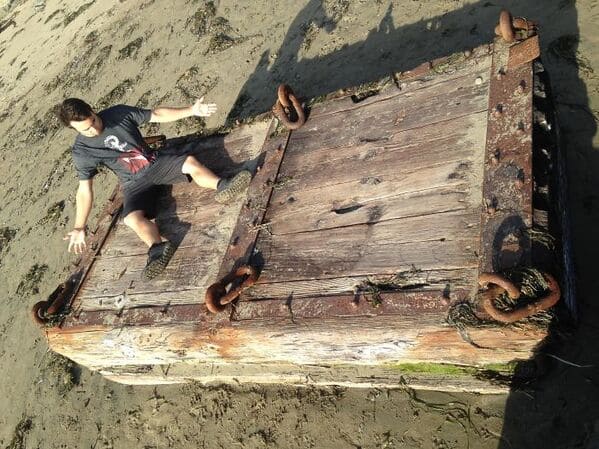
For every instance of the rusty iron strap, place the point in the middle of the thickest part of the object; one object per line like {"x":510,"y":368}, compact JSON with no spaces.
{"x":66,"y":293}
{"x":507,"y":178}
{"x":524,"y":52}
{"x":249,"y":222}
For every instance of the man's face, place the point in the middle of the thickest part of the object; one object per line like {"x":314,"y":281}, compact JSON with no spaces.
{"x":90,"y":127}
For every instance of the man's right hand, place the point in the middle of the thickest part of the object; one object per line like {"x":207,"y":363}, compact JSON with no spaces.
{"x":76,"y":240}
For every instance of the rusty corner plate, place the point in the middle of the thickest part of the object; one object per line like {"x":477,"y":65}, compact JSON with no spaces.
{"x":524,"y":52}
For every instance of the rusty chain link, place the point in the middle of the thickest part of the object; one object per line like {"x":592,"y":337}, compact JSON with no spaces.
{"x":282,"y":108}
{"x":217,"y":298}
{"x":510,"y":27}
{"x":501,"y":285}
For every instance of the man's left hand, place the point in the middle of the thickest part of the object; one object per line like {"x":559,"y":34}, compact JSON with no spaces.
{"x":201,"y":109}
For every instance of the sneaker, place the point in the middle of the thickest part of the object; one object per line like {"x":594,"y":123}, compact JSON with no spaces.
{"x":159,"y":256}
{"x":230,"y":188}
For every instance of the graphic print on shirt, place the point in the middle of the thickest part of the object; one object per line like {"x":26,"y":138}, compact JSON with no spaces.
{"x":133,"y":160}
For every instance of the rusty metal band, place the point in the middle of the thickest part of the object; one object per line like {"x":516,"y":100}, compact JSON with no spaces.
{"x":250,"y":220}
{"x":404,"y":303}
{"x":106,"y":221}
{"x":507,"y":179}
{"x":85,"y":320}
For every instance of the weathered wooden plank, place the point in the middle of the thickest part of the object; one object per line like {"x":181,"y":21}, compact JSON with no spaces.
{"x":225,"y":154}
{"x":207,"y":227}
{"x":371,"y":341}
{"x":438,"y":241}
{"x":191,"y":268}
{"x":346,"y":375}
{"x":367,"y":206}
{"x":453,"y":279}
{"x":403,"y":152}
{"x":481,"y":62}
{"x":413,"y":110}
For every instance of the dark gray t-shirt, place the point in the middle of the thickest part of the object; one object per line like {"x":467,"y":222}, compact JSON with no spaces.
{"x":120,"y":147}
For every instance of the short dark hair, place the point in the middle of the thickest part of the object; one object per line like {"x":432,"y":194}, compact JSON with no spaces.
{"x":74,"y":110}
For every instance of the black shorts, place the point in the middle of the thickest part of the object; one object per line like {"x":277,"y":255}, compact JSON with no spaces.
{"x":141,"y":193}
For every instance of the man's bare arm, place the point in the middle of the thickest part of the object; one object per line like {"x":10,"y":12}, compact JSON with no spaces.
{"x":198,"y":109}
{"x":83,"y":202}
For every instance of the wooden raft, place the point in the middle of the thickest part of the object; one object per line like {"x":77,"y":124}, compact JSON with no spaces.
{"x":387,"y":184}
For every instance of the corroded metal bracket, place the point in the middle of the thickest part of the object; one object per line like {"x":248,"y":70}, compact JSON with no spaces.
{"x":62,"y":297}
{"x":249,"y":223}
{"x":507,"y":179}
{"x":524,"y":52}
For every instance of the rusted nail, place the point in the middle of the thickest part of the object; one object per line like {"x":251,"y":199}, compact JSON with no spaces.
{"x":500,"y":73}
{"x":279,"y":149}
{"x":521,"y":87}
{"x":498,"y":110}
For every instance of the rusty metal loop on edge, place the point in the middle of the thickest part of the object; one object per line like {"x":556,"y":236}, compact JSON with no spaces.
{"x":501,"y":281}
{"x":43,"y":310}
{"x":490,"y":295}
{"x":286,"y":99}
{"x":38,"y":312}
{"x":217,"y":297}
{"x":505,"y":26}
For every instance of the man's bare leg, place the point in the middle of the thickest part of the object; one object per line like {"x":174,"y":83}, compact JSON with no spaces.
{"x":144,"y":228}
{"x":201,"y":175}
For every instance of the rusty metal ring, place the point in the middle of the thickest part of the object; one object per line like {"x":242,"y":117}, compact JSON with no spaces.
{"x":497,"y":279}
{"x":283,"y":93}
{"x":286,"y":99}
{"x":217,"y":298}
{"x":505,"y":26}
{"x":544,"y":303}
{"x":38,"y":312}
{"x":41,"y":311}
{"x":519,"y":24}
